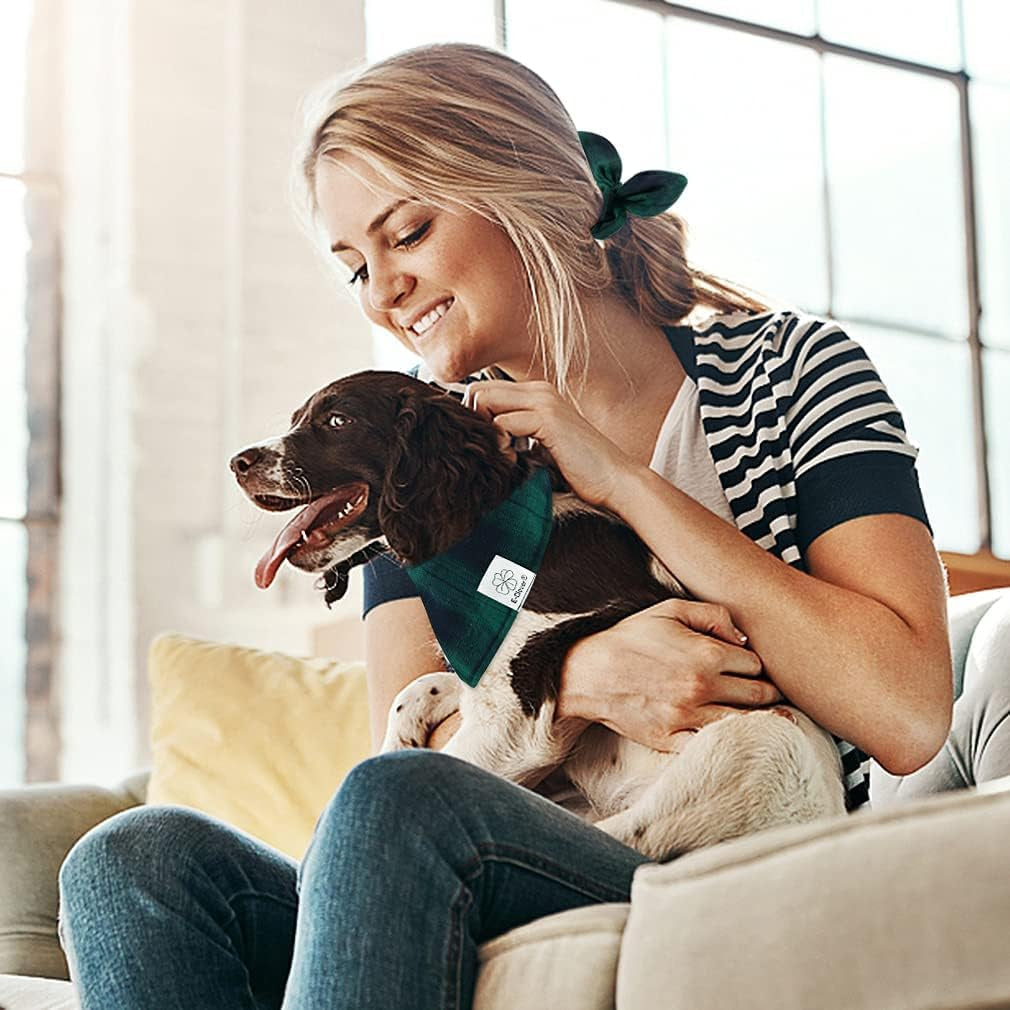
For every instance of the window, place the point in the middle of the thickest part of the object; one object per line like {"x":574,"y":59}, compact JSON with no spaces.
{"x":29,"y":394}
{"x":837,"y":161}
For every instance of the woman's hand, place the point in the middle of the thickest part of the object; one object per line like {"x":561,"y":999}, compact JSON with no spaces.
{"x":591,"y":463}
{"x":677,"y":665}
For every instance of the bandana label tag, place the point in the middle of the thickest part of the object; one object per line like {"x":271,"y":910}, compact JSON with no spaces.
{"x":506,"y":582}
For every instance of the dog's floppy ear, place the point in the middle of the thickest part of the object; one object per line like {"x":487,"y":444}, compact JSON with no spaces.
{"x":444,"y":472}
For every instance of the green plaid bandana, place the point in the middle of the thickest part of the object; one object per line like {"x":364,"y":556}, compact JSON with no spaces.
{"x":473,"y":591}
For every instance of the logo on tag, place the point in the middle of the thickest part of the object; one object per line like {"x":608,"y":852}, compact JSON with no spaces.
{"x":506,"y":582}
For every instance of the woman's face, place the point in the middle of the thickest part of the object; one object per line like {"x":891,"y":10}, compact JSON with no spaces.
{"x":417,"y":258}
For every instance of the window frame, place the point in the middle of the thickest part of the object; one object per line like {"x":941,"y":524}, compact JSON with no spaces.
{"x":43,"y":299}
{"x":961,"y":80}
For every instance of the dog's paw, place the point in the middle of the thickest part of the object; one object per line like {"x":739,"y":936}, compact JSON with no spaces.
{"x":630,"y":829}
{"x":418,"y":709}
{"x":619,"y":826}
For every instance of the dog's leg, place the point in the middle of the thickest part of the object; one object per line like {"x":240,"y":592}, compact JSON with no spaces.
{"x":418,"y":709}
{"x":505,"y":740}
{"x":495,"y":735}
{"x":740,"y":774}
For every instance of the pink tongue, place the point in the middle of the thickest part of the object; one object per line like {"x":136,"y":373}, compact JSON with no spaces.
{"x":267,"y":566}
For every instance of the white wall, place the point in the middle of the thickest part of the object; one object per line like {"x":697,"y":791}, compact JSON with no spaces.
{"x":196,"y":319}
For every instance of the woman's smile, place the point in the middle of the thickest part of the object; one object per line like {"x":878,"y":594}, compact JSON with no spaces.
{"x":423,"y":327}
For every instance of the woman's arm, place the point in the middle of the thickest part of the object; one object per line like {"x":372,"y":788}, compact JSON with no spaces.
{"x":860,"y":643}
{"x":399,"y":647}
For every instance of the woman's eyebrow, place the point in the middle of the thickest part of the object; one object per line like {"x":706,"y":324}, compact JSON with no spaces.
{"x":377,"y":223}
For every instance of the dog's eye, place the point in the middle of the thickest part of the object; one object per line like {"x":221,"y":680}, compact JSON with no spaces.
{"x":337,"y":421}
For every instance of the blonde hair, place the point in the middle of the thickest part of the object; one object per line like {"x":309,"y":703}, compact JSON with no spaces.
{"x":462,"y":125}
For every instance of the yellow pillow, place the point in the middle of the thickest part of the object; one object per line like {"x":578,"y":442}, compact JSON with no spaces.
{"x":258,"y":739}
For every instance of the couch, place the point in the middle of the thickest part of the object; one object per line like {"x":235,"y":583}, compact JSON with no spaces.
{"x":895,"y":907}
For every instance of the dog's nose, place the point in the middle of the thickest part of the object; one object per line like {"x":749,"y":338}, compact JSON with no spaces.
{"x":243,"y":461}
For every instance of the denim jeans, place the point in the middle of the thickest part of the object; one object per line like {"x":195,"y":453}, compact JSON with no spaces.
{"x":416,"y":860}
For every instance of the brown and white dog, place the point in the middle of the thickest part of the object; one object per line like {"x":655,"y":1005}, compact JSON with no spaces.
{"x":381,"y":461}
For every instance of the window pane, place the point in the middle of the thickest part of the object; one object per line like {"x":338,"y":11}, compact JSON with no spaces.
{"x":13,"y":601}
{"x":608,"y":72}
{"x":791,"y":15}
{"x":996,"y":371}
{"x":929,"y":381}
{"x":15,"y":17}
{"x":13,"y":408}
{"x":986,"y":30}
{"x":744,"y":129}
{"x":927,"y":31}
{"x":990,"y":107}
{"x":894,"y":172}
{"x":392,"y":25}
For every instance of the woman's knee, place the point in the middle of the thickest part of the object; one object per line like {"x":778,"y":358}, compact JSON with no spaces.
{"x":384,"y":802}
{"x":387,"y":785}
{"x":135,"y":840}
{"x":397,"y":775}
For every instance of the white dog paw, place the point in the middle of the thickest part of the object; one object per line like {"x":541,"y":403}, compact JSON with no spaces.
{"x":624,"y":827}
{"x":418,"y":709}
{"x":656,"y":841}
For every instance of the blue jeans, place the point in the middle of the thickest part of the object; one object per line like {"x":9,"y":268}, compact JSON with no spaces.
{"x":417,"y":859}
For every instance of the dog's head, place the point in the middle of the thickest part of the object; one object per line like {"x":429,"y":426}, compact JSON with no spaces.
{"x":375,"y":461}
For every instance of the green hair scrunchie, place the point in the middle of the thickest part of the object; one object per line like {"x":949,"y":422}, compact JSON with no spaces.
{"x":645,"y":194}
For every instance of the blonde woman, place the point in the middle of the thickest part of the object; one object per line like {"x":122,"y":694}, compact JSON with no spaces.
{"x":754,"y":450}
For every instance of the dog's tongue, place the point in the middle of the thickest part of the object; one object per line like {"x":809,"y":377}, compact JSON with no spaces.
{"x":267,"y":567}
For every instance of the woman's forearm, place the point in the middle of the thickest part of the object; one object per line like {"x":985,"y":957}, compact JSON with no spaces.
{"x":577,"y":695}
{"x":849,"y":661}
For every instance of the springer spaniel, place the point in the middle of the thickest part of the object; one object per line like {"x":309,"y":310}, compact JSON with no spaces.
{"x":381,"y":461}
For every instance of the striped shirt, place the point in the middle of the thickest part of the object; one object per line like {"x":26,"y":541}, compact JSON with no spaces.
{"x":803,"y":434}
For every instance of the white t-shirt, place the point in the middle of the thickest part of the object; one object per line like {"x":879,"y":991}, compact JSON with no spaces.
{"x":682,"y":456}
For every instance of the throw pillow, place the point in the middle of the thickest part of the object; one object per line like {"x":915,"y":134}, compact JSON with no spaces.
{"x":260,"y":740}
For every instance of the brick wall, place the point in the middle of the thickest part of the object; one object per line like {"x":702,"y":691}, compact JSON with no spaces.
{"x":196,"y":318}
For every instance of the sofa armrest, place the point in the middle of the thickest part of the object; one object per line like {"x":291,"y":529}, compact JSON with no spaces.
{"x":39,"y":824}
{"x":907,"y":906}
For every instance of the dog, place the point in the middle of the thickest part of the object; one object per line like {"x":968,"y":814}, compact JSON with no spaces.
{"x":380,"y":461}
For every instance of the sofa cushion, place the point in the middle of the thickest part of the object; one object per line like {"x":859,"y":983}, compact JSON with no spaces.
{"x":566,"y":961}
{"x":260,"y":740}
{"x":19,"y":993}
{"x":905,"y":907}
{"x":39,"y":824}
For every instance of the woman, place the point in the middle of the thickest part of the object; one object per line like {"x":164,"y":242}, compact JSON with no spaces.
{"x":451,"y":176}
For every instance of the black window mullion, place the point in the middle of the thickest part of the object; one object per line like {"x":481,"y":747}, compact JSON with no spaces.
{"x":43,"y":204}
{"x":974,"y":315}
{"x":961,"y":80}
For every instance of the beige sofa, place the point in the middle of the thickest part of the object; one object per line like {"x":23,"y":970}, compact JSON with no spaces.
{"x":894,"y":908}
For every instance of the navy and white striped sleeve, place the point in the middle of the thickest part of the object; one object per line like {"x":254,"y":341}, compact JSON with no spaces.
{"x":850,"y":451}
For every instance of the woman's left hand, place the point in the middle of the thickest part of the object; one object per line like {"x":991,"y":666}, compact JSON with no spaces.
{"x":591,"y":463}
